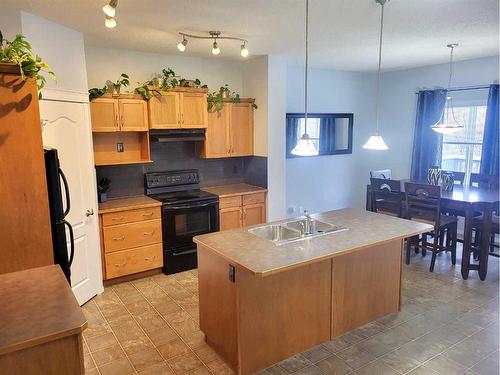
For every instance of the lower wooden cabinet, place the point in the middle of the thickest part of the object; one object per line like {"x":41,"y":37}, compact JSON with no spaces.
{"x":131,"y":241}
{"x":242,"y":210}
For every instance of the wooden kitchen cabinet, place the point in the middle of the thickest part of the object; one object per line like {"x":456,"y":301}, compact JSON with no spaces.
{"x":120,"y":130}
{"x":240,"y":205}
{"x":131,"y":236}
{"x":229,"y":132}
{"x":179,"y":108}
{"x":119,"y":114}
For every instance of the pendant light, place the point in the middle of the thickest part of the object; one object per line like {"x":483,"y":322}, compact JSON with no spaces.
{"x":447,"y":122}
{"x":376,"y":142}
{"x":305,"y":146}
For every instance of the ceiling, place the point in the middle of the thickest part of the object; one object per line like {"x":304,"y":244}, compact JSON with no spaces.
{"x":343,"y":33}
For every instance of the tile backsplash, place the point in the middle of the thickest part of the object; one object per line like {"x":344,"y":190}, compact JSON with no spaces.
{"x":128,"y":180}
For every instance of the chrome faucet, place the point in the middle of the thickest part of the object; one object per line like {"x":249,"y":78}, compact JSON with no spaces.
{"x":307,"y":224}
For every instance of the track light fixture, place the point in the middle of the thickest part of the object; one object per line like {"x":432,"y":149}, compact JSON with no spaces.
{"x":110,"y":22}
{"x":215,"y":36}
{"x":110,"y":8}
{"x":182,"y":45}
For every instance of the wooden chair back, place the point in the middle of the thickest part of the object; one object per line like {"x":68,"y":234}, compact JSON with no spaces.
{"x":382,"y":173}
{"x":484,"y":181}
{"x":386,"y":196}
{"x":458,"y":177}
{"x":423,"y":202}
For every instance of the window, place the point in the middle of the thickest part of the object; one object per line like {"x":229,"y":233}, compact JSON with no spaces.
{"x":331,"y":133}
{"x":461,"y":151}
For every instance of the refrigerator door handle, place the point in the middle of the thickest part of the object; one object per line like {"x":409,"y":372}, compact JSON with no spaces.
{"x":72,"y":242}
{"x":66,"y":191}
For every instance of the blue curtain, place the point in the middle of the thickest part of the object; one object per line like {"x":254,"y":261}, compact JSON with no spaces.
{"x":427,"y":144}
{"x":326,"y":135}
{"x":490,"y":154}
{"x":292,"y":128}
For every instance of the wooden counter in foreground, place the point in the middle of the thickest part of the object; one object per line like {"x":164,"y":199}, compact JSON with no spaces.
{"x":41,"y":324}
{"x":261,"y":303}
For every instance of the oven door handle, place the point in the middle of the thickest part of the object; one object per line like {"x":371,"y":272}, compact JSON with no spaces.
{"x":183,"y":252}
{"x":189,"y":206}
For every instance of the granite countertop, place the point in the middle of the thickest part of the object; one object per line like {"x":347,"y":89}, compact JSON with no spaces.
{"x":37,"y":306}
{"x":127,"y":203}
{"x":262,"y":257}
{"x":231,"y":190}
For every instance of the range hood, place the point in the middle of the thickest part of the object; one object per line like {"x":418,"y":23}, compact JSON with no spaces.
{"x":177,"y":135}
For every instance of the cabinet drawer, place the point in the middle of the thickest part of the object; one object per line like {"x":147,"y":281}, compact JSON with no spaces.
{"x":254,"y":198}
{"x":126,"y":236}
{"x":131,"y":216}
{"x":135,"y":260}
{"x":228,"y":202}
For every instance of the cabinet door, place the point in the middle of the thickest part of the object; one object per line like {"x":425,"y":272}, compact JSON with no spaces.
{"x":164,"y":111}
{"x":241,"y":129}
{"x":216,"y":143}
{"x":133,"y":115}
{"x":230,"y":218}
{"x":254,"y":214}
{"x":105,"y":115}
{"x":194,"y":113}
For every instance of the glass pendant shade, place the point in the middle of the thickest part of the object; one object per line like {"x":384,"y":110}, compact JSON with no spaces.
{"x":110,"y":22}
{"x":109,"y":10}
{"x":375,"y":142}
{"x":305,"y":147}
{"x":447,"y":123}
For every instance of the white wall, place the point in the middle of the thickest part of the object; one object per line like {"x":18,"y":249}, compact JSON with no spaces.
{"x":10,"y":22}
{"x":255,"y":76}
{"x":327,"y":182}
{"x":62,"y":48}
{"x":104,"y":64}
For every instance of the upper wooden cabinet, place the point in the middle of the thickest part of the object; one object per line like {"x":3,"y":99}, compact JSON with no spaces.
{"x":179,"y":108}
{"x":229,"y":132}
{"x":118,"y":114}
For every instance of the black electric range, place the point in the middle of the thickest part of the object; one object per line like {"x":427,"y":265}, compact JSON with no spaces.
{"x":187,"y":211}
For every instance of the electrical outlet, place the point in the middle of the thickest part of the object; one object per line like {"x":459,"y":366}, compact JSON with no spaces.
{"x":119,"y":147}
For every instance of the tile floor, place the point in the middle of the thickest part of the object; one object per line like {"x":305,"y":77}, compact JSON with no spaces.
{"x":446,"y":326}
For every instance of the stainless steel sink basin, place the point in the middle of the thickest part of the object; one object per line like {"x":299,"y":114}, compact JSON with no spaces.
{"x":292,"y":231}
{"x":276,"y":233}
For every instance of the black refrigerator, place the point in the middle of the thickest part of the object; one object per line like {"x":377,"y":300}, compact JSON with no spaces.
{"x":59,"y":209}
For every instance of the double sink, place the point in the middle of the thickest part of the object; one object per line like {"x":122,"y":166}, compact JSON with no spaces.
{"x":295,"y":230}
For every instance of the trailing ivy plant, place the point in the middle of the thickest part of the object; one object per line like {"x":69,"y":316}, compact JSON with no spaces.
{"x":215,"y":99}
{"x":123,"y":80}
{"x":19,"y":52}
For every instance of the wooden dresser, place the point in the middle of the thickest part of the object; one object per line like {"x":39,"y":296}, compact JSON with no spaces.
{"x":240,"y":205}
{"x":41,"y":324}
{"x":131,"y":236}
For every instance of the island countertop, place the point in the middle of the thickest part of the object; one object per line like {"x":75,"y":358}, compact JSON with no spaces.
{"x":262,"y":257}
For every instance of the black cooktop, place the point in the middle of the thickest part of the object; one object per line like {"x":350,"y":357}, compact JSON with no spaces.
{"x":184,"y":196}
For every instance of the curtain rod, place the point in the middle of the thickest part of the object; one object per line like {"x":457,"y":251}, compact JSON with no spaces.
{"x":464,"y":88}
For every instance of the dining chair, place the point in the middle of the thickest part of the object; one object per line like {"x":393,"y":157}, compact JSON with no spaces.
{"x":484,"y":181}
{"x":423,"y":204}
{"x":458,"y":177}
{"x":382,"y":173}
{"x":477,"y":226}
{"x":386,"y":196}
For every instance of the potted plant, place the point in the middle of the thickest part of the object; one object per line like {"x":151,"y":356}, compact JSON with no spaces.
{"x":16,"y":56}
{"x":114,"y":87}
{"x":102,"y":189}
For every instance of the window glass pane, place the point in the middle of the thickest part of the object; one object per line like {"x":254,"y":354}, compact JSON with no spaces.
{"x":312,"y":129}
{"x":476,"y":160}
{"x":453,"y":157}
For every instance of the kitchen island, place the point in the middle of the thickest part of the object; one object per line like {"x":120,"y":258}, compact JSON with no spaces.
{"x":261,"y":302}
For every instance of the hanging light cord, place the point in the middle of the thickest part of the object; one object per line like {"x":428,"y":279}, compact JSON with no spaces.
{"x":451,"y":65}
{"x":306,"y":64}
{"x":377,"y":97}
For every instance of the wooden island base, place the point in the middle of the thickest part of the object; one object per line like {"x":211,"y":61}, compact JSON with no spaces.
{"x":254,"y":321}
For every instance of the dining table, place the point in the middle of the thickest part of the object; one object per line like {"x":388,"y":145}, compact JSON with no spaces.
{"x":469,"y":201}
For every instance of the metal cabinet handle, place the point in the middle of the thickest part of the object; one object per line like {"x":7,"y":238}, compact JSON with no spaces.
{"x":150,"y":258}
{"x":149,"y":233}
{"x":119,"y":238}
{"x":89,"y":212}
{"x":117,"y":122}
{"x":121,"y":218}
{"x":148,"y":214}
{"x":120,"y":265}
{"x":182,"y":117}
